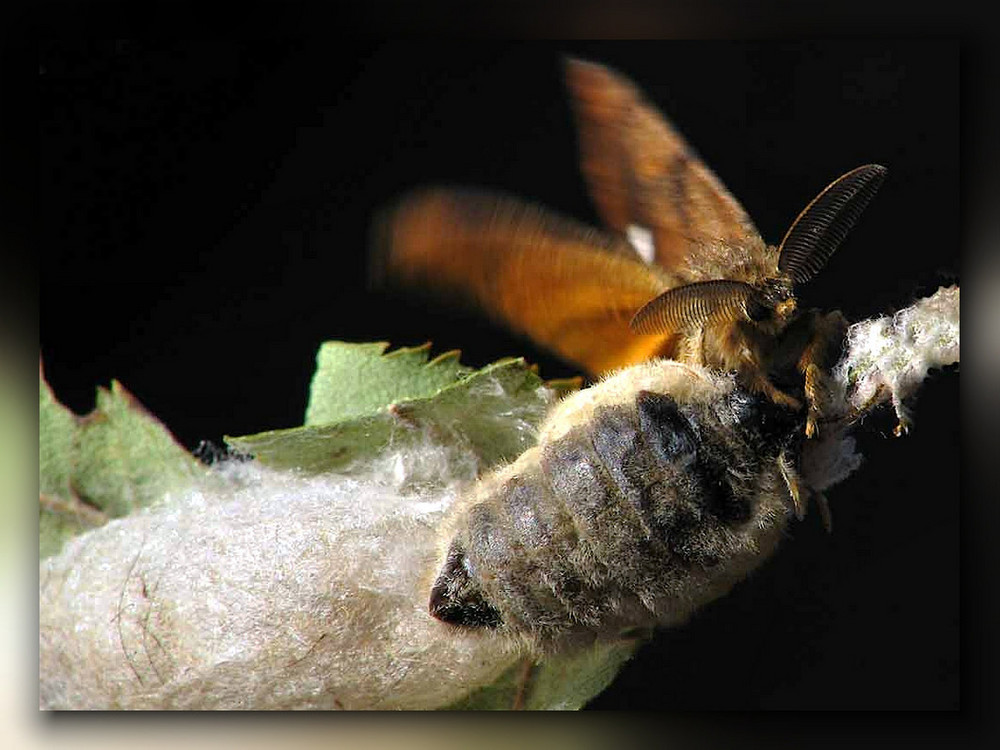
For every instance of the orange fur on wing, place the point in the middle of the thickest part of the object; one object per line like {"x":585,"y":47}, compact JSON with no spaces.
{"x":641,"y":171}
{"x":571,"y":289}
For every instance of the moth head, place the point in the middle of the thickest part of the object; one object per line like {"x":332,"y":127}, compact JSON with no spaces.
{"x":774,"y":301}
{"x":807,"y":246}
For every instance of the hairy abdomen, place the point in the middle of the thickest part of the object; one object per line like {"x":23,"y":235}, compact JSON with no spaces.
{"x":628,"y":519}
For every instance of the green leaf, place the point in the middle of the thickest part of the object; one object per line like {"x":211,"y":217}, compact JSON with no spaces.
{"x":57,"y":433}
{"x":59,"y":521}
{"x":105,"y":465}
{"x":61,"y":513}
{"x":353,"y":380}
{"x":492,"y":411}
{"x":126,"y":458}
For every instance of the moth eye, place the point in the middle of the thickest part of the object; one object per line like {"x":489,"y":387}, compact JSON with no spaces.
{"x":758,"y":310}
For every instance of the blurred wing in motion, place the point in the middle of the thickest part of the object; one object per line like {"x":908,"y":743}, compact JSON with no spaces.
{"x":641,"y":171}
{"x":571,"y":289}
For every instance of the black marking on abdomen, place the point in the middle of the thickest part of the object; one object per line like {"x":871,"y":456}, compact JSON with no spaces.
{"x":685,"y":441}
{"x":456,"y":597}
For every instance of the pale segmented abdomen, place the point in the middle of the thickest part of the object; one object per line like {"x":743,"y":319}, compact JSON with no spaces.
{"x":628,"y":519}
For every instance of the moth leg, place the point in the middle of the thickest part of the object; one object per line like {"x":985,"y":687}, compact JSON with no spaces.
{"x":904,"y":418}
{"x":791,"y":478}
{"x":817,"y":394}
{"x":798,"y":490}
{"x":859,"y":411}
{"x":816,"y":360}
{"x":760,"y":383}
{"x":752,"y":375}
{"x":824,"y":511}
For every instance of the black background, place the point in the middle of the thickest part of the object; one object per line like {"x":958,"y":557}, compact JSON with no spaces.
{"x":204,"y":218}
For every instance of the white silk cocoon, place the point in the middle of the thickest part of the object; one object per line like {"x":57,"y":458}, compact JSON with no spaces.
{"x":266,"y":591}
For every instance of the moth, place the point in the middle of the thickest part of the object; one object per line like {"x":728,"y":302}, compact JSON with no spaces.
{"x":680,"y":271}
{"x":654,"y":490}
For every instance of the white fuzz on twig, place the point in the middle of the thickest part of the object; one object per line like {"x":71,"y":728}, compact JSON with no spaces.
{"x":889,"y":357}
{"x":885,"y":359}
{"x":267,"y":591}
